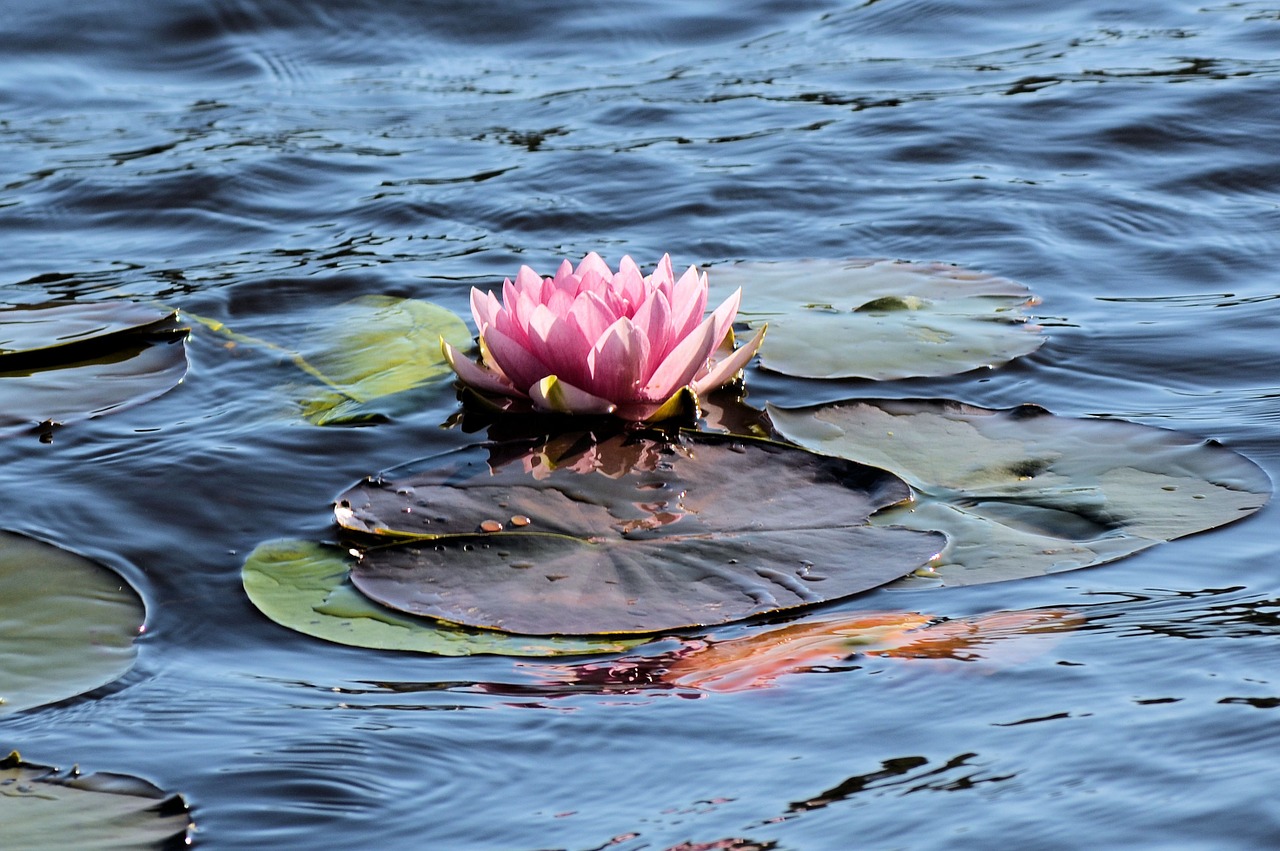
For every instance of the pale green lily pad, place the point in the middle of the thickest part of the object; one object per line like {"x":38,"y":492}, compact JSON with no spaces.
{"x":631,"y":535}
{"x":367,"y":354}
{"x":43,"y":808}
{"x":880,"y":319}
{"x":67,"y":624}
{"x":303,"y":586}
{"x":375,"y":346}
{"x":1022,"y":492}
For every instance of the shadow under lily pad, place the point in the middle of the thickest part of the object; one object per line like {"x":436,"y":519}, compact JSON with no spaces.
{"x":706,"y":530}
{"x":1021,"y":492}
{"x":881,"y":319}
{"x":41,"y":807}
{"x":67,"y":624}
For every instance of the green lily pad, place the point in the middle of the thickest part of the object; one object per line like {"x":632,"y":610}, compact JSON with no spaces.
{"x":303,"y":586}
{"x":58,"y":333}
{"x":41,"y":807}
{"x":635,"y":536}
{"x":375,"y":346}
{"x":1022,"y":492}
{"x":363,"y":353}
{"x":880,"y":319}
{"x":67,"y":624}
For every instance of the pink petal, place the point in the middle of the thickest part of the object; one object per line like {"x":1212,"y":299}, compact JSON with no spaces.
{"x":484,"y":306}
{"x":591,"y":316}
{"x":593,"y":263}
{"x":629,"y":283}
{"x":615,"y":361}
{"x":559,"y":344}
{"x":723,"y":315}
{"x":555,"y":396}
{"x":685,"y":361}
{"x":559,"y":301}
{"x":725,"y":370}
{"x":516,"y":362}
{"x":663,"y":278}
{"x":475,"y":376}
{"x":653,"y":319}
{"x":688,"y":302}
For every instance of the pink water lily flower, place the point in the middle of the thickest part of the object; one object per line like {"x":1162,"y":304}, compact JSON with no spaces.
{"x":594,"y":341}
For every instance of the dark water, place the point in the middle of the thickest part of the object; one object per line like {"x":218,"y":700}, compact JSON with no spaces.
{"x":256,"y":161}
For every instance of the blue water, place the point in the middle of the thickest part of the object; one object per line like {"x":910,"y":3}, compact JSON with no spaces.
{"x":255,"y":162}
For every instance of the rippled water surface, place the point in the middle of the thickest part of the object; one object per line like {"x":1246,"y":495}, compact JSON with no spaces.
{"x":255,"y":162}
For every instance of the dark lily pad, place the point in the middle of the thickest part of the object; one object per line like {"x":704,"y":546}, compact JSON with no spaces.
{"x":60,"y":333}
{"x":636,"y":536}
{"x":81,"y":390}
{"x":303,"y":586}
{"x":67,"y":624}
{"x":1021,"y":492}
{"x":41,"y":807}
{"x":881,"y":319}
{"x":65,"y":362}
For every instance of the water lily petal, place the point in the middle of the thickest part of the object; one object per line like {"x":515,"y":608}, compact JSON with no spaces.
{"x":593,"y":263}
{"x":591,"y":316}
{"x":516,"y":361}
{"x":629,"y":282}
{"x":688,"y":302}
{"x":723,"y":315}
{"x":560,"y":397}
{"x":616,"y":359}
{"x":559,"y":344}
{"x":653,"y":320}
{"x":474,"y":375}
{"x":724,"y":370}
{"x":663,"y":278}
{"x":484,"y":306}
{"x":682,"y":363}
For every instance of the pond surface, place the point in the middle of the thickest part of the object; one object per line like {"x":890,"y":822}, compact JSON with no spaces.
{"x":257,"y":162}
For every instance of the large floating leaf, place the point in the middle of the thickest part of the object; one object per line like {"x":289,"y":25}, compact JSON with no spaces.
{"x":303,"y":586}
{"x":41,"y":808}
{"x":58,"y":333}
{"x":363,"y":351}
{"x":1021,"y":492}
{"x":91,"y":388}
{"x":881,"y":319}
{"x":374,"y":346}
{"x":638,"y":536}
{"x":67,"y":625}
{"x":70,"y":362}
